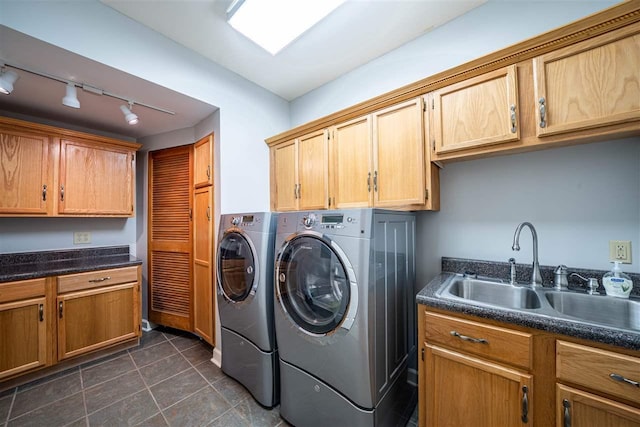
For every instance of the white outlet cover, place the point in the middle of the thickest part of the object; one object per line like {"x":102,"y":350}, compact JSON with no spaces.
{"x":620,"y":250}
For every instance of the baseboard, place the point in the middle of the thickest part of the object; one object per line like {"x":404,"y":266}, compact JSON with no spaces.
{"x":412,"y":377}
{"x":217,"y":357}
{"x":148,"y":326}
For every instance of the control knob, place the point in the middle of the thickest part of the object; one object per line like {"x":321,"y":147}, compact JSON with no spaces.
{"x":235,"y":220}
{"x":309,"y":221}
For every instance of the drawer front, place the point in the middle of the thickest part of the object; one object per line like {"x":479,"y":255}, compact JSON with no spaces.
{"x":96,"y":279}
{"x":593,"y":368}
{"x":500,"y":344}
{"x":15,"y":291}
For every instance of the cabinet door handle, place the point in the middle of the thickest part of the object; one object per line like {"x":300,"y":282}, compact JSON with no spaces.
{"x":470,"y":339}
{"x":525,"y":404}
{"x":375,"y":181}
{"x":620,"y":378}
{"x":208,"y":213}
{"x":369,"y":182}
{"x":44,"y":193}
{"x":60,"y":309}
{"x":513,"y":118}
{"x":295,"y":191}
{"x":102,"y":279}
{"x":566,"y":417}
{"x":208,"y":171}
{"x":543,"y":112}
{"x":41,"y":312}
{"x":62,"y":193}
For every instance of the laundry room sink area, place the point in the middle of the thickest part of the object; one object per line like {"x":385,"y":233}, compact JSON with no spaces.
{"x":492,"y":292}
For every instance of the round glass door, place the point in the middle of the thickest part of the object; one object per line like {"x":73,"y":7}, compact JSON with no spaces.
{"x":312,"y":284}
{"x":236,"y":267}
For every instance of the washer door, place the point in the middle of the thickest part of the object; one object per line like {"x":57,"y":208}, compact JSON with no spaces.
{"x":316,"y":284}
{"x":237,"y":266}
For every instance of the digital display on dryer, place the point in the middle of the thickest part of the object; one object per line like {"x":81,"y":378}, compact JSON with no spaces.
{"x":332,"y":219}
{"x":247,"y":218}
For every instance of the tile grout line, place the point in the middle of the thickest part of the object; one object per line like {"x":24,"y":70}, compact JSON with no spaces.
{"x":13,"y":399}
{"x":84,"y":399}
{"x":137,"y":368}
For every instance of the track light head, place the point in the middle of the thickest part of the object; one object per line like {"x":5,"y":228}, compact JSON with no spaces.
{"x":129,"y":116}
{"x":7,"y":79}
{"x":71,"y":97}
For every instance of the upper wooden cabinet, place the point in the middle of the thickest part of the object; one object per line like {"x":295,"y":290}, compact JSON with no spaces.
{"x":202,"y":162}
{"x":25,"y":172}
{"x":59,"y":172}
{"x":299,"y":173}
{"x":95,"y":180}
{"x":590,"y":84}
{"x":476,"y":112}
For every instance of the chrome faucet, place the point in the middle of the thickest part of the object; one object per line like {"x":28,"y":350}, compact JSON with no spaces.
{"x":536,"y":276}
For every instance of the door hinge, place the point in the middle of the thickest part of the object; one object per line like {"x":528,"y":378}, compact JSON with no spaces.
{"x":423,"y":354}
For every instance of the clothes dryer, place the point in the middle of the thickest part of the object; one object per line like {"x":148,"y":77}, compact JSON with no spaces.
{"x":344,"y":315}
{"x":245,"y":302}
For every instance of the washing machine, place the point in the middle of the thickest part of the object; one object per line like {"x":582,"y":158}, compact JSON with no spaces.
{"x":344,"y":315}
{"x":245,"y":302}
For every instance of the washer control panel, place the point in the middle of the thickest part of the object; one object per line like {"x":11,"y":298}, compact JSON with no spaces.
{"x":244,"y":220}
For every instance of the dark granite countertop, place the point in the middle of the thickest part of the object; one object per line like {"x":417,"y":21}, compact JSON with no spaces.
{"x":599,"y":333}
{"x":33,"y":265}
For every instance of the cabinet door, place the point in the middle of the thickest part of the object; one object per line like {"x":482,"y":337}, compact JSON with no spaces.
{"x":351,"y":166}
{"x":203,"y":162}
{"x":203,"y":294}
{"x":285,"y":173}
{"x":313,"y":177}
{"x":23,"y":339}
{"x":589,"y":84}
{"x":97,"y":318}
{"x":24,"y":173}
{"x":462,"y":390}
{"x":398,"y":155}
{"x":576,"y":408}
{"x":476,"y":112}
{"x":95,"y":180}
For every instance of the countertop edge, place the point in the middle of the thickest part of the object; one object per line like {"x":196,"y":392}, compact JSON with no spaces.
{"x":53,"y":268}
{"x":601,"y":334}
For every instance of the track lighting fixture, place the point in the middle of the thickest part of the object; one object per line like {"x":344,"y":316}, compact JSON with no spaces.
{"x":7,"y":79}
{"x":129,"y":116}
{"x":71,"y":97}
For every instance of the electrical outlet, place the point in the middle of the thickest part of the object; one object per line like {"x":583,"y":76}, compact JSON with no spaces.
{"x":81,"y":237}
{"x":620,"y":250}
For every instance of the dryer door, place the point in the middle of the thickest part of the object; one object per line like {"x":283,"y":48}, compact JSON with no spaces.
{"x":237,"y":266}
{"x":316,"y":284}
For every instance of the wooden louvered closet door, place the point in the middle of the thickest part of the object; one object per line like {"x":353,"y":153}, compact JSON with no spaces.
{"x":170,"y":237}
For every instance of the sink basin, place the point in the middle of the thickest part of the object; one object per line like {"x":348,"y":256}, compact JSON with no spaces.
{"x":617,"y":312}
{"x":487,"y":292}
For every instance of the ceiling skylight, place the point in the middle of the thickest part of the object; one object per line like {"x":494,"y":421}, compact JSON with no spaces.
{"x":273,"y":24}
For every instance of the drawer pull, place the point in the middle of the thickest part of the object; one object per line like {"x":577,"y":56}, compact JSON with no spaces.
{"x":622,"y":379}
{"x":102,"y":279}
{"x":470,"y":339}
{"x":566,"y":418}
{"x":525,"y":404}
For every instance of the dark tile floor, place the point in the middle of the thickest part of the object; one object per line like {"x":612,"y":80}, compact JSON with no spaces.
{"x":169,"y":380}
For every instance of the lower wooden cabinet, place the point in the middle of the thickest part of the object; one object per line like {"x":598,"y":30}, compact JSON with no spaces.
{"x":97,"y":309}
{"x":464,"y":390}
{"x":24,"y":344}
{"x":576,"y":408}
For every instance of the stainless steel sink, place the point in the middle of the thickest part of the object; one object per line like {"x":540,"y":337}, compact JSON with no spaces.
{"x":487,"y":292}
{"x":617,"y":312}
{"x":578,"y":307}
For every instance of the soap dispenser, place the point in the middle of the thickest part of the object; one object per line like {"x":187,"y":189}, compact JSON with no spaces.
{"x":616,"y":283}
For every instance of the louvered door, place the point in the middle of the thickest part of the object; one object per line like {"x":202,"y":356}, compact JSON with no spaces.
{"x":170,"y":237}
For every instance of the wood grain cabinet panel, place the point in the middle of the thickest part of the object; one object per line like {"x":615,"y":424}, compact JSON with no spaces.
{"x":95,"y":180}
{"x":590,"y":84}
{"x":203,"y":295}
{"x":285,"y":196}
{"x":25,"y":181}
{"x":576,"y":408}
{"x":313,"y":180}
{"x":203,"y":162}
{"x":477,"y":112}
{"x":23,"y":326}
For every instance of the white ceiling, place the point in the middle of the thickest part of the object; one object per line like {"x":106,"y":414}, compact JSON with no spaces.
{"x":354,"y":34}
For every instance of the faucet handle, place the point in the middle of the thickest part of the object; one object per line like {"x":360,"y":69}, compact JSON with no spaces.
{"x":592,"y":284}
{"x":560,"y":279}
{"x":512,"y":271}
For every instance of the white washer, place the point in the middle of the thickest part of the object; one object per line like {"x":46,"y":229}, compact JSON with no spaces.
{"x":344,"y":315}
{"x":245,"y":302}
